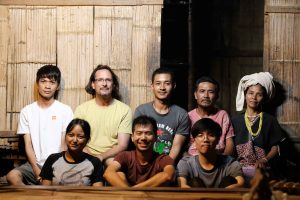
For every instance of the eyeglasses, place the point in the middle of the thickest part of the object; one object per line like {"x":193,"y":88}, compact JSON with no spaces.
{"x":101,"y":80}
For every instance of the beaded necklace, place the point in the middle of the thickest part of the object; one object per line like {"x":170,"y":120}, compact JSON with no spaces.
{"x":248,"y":125}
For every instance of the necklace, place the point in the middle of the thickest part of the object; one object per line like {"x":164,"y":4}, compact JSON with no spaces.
{"x":248,"y":125}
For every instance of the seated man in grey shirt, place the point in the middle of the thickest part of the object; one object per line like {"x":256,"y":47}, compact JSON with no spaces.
{"x":208,"y":169}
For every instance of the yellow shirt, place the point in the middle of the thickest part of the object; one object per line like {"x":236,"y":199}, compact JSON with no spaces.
{"x":106,"y":122}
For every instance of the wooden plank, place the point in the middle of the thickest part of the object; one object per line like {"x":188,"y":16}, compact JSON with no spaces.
{"x":82,"y":2}
{"x":41,"y":35}
{"x":3,"y":107}
{"x":89,"y":193}
{"x":12,"y":120}
{"x":283,"y":9}
{"x":8,"y":134}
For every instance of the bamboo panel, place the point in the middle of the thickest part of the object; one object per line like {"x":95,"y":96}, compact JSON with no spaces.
{"x":3,"y":107}
{"x":147,"y":16}
{"x":282,"y":2}
{"x":17,"y":36}
{"x":102,"y":35}
{"x":41,"y":35}
{"x":4,"y":38}
{"x":121,"y":38}
{"x":276,"y":35}
{"x":75,"y":19}
{"x":143,"y":65}
{"x":124,"y":81}
{"x":75,"y":59}
{"x":21,"y":85}
{"x":73,"y":96}
{"x":139,"y":95}
{"x":82,"y":2}
{"x":12,"y":120}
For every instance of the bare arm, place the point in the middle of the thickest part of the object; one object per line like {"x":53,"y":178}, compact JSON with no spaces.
{"x":240,"y":183}
{"x":31,"y":155}
{"x":229,"y":147}
{"x":123,"y":140}
{"x":182,"y":182}
{"x":46,"y":182}
{"x":262,"y":162}
{"x":98,"y":184}
{"x":112,"y":176}
{"x":159,"y":178}
{"x":176,"y":146}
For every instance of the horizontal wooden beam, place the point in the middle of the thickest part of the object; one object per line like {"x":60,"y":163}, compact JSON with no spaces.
{"x":282,"y":9}
{"x":81,"y":2}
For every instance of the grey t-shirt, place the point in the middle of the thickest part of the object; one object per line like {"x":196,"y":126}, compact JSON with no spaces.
{"x":176,"y":121}
{"x":189,"y":167}
{"x":61,"y":172}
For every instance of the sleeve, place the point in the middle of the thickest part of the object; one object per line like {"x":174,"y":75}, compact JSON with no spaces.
{"x":138,"y":112}
{"x":123,"y":159}
{"x":68,"y":117}
{"x":23,"y":127}
{"x":234,"y":169}
{"x":47,"y":170}
{"x":227,"y":127}
{"x":182,"y":168}
{"x":97,"y":175}
{"x":78,"y":112}
{"x":126,"y":123}
{"x":165,"y":161}
{"x":184,"y":125}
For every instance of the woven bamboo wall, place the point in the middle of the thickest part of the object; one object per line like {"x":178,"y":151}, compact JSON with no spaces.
{"x":76,"y":36}
{"x":282,"y":57}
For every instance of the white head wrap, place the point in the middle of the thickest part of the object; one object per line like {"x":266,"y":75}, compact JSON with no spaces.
{"x":265,"y":79}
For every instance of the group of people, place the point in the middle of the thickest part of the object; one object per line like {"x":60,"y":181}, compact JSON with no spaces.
{"x":201,"y":148}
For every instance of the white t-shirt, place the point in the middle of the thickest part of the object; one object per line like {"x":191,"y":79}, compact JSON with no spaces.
{"x":46,"y":127}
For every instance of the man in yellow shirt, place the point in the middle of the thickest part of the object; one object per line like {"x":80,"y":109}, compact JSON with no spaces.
{"x":109,"y":118}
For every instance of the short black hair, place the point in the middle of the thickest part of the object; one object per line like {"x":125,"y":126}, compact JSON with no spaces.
{"x":51,"y":72}
{"x":83,"y":124}
{"x":48,"y":71}
{"x":145,"y":120}
{"x":163,"y":70}
{"x":207,"y":79}
{"x":206,"y":124}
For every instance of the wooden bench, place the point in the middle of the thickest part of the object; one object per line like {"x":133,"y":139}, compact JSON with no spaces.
{"x":11,"y":146}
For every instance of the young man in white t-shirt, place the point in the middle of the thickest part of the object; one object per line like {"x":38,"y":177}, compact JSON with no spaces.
{"x":42,"y":124}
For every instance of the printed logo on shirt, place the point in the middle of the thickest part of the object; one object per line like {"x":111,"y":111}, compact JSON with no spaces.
{"x":164,"y":139}
{"x":54,"y":117}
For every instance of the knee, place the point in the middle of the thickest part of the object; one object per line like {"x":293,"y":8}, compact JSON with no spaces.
{"x":13,"y":175}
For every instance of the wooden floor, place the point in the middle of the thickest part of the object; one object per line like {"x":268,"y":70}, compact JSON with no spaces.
{"x":110,"y":193}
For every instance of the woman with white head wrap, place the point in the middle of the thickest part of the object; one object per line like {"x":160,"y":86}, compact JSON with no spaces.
{"x":257,"y":133}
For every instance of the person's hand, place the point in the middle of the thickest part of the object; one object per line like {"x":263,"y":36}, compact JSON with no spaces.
{"x":37,"y":172}
{"x":261,"y":163}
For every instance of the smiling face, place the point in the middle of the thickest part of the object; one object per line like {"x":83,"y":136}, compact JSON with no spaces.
{"x":206,"y":94}
{"x":143,"y":137}
{"x":206,"y":142}
{"x":162,"y":86}
{"x":254,"y":97}
{"x":47,"y":88}
{"x":76,"y":139}
{"x":103,"y":84}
